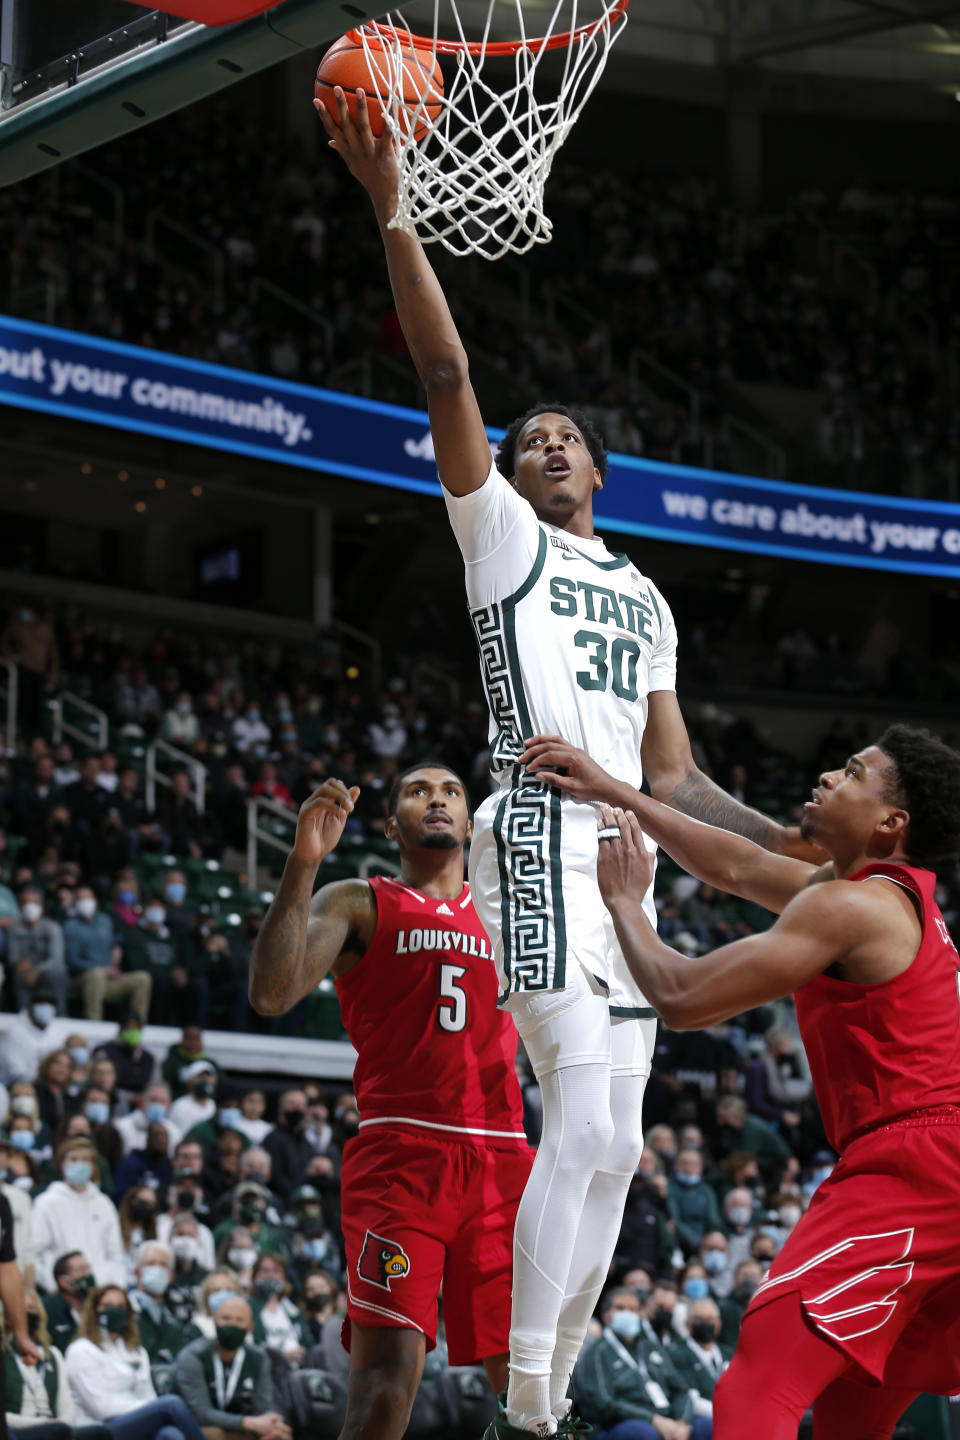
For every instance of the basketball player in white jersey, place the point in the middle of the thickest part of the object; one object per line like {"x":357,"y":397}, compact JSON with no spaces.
{"x":574,"y":641}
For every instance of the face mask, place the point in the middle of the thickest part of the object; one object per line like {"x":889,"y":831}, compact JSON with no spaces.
{"x":97,"y":1112}
{"x":820,"y":1174}
{"x":230,"y":1337}
{"x":186,"y":1250}
{"x":315,"y":1249}
{"x":216,"y":1298}
{"x":318,"y":1302}
{"x":662,"y":1318}
{"x":127,"y":897}
{"x":739,"y":1214}
{"x":186,"y":1200}
{"x":687,"y":1179}
{"x":260,"y":1176}
{"x":295,"y":1118}
{"x":642,"y":1293}
{"x":176,"y":892}
{"x":87,"y":907}
{"x":113,"y":1319}
{"x":249,"y":1211}
{"x":77,"y":1172}
{"x":22,"y":1105}
{"x":745,"y":1289}
{"x":230,"y":1117}
{"x":697,"y":1288}
{"x":22,"y":1139}
{"x":83,"y":1285}
{"x":242,"y":1259}
{"x":31,"y":910}
{"x":154,"y":914}
{"x":269,"y":1286}
{"x":33,"y":1324}
{"x":703,"y":1331}
{"x":715,"y":1261}
{"x":625,"y":1324}
{"x":156,"y":1112}
{"x":155,"y":1279}
{"x":183,"y":707}
{"x":44,"y":1013}
{"x":203,"y":1091}
{"x":764,"y":1260}
{"x":131,"y":1038}
{"x":80,"y":1054}
{"x":789,"y":1215}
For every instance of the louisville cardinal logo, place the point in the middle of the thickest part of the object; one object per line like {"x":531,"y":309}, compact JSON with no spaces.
{"x":382,"y":1260}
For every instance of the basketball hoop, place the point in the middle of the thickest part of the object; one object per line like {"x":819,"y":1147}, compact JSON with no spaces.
{"x":475,"y":182}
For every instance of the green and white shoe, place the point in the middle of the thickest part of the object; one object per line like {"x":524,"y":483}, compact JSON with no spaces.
{"x":501,"y":1429}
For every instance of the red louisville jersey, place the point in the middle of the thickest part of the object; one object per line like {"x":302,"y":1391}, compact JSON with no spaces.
{"x":421,"y":1010}
{"x":877,"y":1052}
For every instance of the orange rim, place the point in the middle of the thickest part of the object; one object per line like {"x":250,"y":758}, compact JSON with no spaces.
{"x":497,"y":48}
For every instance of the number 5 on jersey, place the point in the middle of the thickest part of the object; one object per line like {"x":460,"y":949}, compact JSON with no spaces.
{"x":452,"y":1010}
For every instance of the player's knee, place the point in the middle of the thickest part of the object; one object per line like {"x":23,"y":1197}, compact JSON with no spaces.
{"x":626,"y":1147}
{"x":377,"y":1405}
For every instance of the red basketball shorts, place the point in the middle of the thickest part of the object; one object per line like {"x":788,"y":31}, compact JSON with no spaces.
{"x":876,"y":1258}
{"x":419,"y":1213}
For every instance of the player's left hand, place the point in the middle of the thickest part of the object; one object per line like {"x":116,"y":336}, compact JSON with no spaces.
{"x":29,"y":1353}
{"x":624,"y":865}
{"x":792,"y":844}
{"x":558,"y":763}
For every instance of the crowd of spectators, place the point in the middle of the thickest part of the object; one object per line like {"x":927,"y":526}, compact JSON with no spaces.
{"x":172,"y":1218}
{"x":851,"y":297}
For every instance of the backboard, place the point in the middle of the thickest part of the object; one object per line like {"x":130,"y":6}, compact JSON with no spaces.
{"x":75,"y":76}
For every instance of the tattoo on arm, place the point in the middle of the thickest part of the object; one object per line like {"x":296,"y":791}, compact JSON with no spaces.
{"x":698,"y":796}
{"x":300,"y":940}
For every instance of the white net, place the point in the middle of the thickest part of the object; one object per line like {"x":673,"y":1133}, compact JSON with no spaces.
{"x":475,"y":181}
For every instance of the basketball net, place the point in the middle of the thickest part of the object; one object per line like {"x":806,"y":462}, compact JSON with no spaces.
{"x":475,"y":182}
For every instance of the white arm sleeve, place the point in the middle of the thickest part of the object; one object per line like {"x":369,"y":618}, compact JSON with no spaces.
{"x":663,"y":661}
{"x":498,"y":535}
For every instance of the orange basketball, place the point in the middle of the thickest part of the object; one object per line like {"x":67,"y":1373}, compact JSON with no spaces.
{"x":345,"y":64}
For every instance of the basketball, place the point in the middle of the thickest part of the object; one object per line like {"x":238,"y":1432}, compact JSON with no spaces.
{"x":346,"y":64}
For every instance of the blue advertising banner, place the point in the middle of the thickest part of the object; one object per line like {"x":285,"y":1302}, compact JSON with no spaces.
{"x":86,"y":378}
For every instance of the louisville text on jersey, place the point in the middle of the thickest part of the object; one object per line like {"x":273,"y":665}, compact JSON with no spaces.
{"x":410,"y":942}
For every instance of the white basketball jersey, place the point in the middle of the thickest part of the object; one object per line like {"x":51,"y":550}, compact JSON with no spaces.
{"x":572,"y":637}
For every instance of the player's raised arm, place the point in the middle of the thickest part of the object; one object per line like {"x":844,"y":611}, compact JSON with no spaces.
{"x":460,"y":441}
{"x":675,"y":778}
{"x":302,"y":938}
{"x":819,"y":928}
{"x":727,"y":861}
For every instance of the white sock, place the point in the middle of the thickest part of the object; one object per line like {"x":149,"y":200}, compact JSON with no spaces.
{"x":577,"y":1131}
{"x":599,"y":1230}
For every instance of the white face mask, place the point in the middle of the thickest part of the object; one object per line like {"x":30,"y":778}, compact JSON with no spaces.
{"x":242,"y":1259}
{"x":87,"y":907}
{"x":22,"y":1105}
{"x":185,"y":1248}
{"x":31,"y":911}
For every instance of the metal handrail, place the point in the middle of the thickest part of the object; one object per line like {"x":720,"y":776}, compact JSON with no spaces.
{"x":640,"y":357}
{"x":776,"y":458}
{"x":114,"y":191}
{"x":424,"y":670}
{"x":257,"y":836}
{"x":372,"y":864}
{"x":309,"y":312}
{"x":374,"y":646}
{"x":213,"y":252}
{"x":63,"y":727}
{"x":12,"y":686}
{"x":155,"y":776}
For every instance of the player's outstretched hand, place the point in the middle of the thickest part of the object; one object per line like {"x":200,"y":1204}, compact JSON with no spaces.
{"x":370,"y":159}
{"x":321,"y":820}
{"x":624,"y":864}
{"x":557,"y":762}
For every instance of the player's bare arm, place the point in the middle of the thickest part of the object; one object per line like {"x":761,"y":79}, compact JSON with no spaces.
{"x":864,"y":934}
{"x":460,"y":441}
{"x":730,"y":862}
{"x":303,"y":938}
{"x":675,"y":778}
